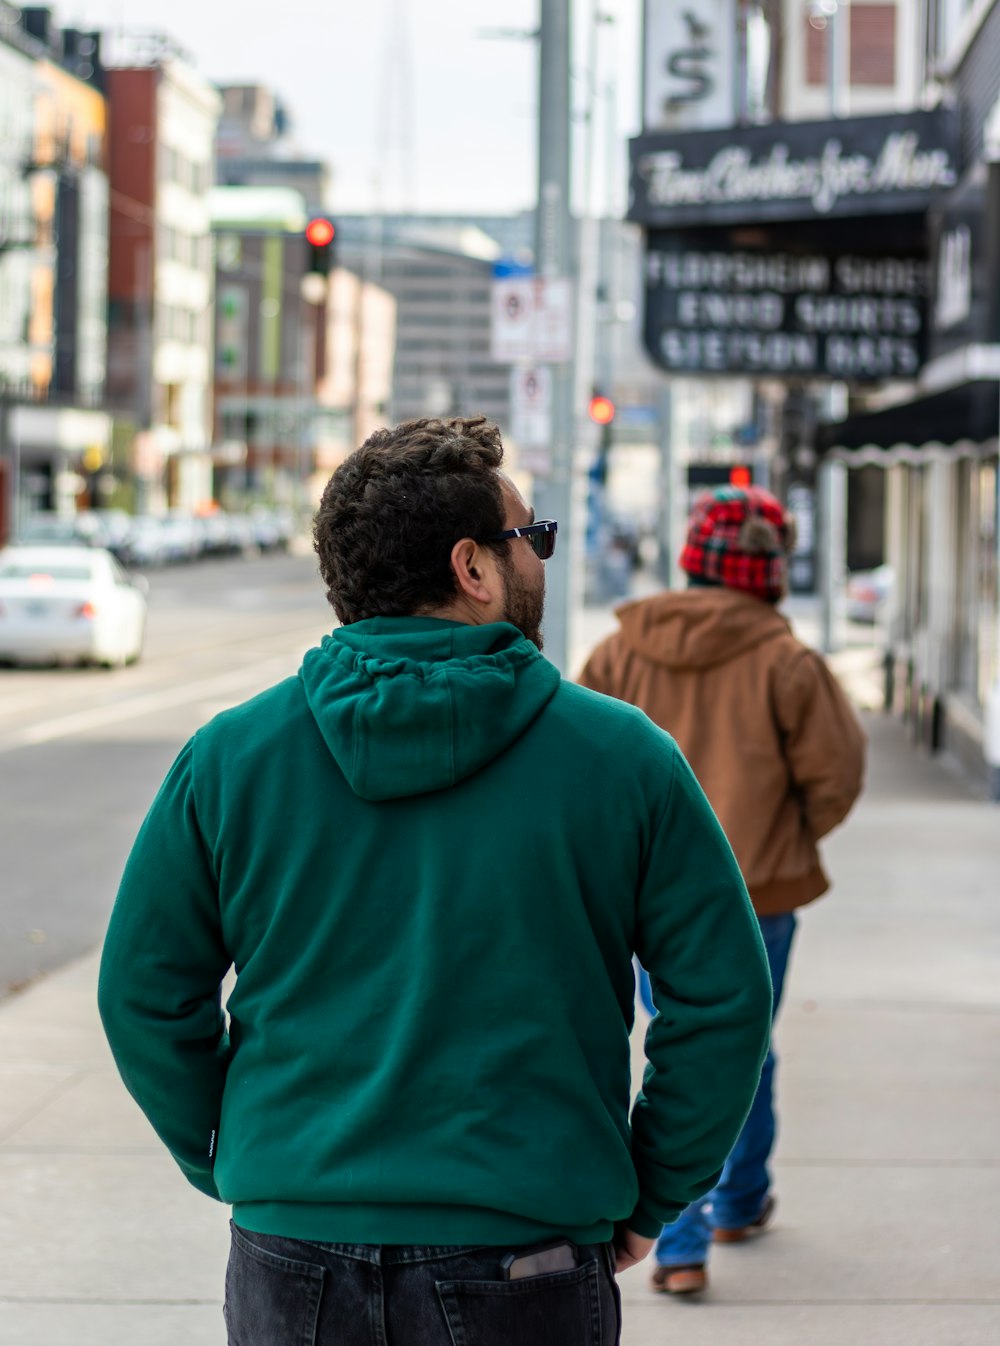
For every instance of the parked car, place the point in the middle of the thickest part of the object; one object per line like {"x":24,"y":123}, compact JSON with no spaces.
{"x":108,"y":528}
{"x":225,"y":534}
{"x":146,"y":545}
{"x":242,"y":535}
{"x":216,"y":538}
{"x":183,"y":536}
{"x":46,"y":528}
{"x":69,"y":604}
{"x":867,"y":592}
{"x":273,"y":528}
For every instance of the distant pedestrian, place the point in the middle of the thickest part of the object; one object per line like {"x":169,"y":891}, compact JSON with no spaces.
{"x":780,"y":754}
{"x":412,"y":1155}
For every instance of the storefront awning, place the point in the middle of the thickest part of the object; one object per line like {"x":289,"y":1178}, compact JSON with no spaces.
{"x":968,"y":413}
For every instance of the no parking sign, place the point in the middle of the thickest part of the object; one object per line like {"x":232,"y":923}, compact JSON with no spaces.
{"x":531,"y":416}
{"x":531,"y":320}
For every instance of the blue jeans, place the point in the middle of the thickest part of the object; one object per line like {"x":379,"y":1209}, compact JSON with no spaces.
{"x":644,"y":989}
{"x":742,"y":1190}
{"x":289,"y":1292}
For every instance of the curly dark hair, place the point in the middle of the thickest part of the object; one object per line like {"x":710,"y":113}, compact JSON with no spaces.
{"x":392,"y":512}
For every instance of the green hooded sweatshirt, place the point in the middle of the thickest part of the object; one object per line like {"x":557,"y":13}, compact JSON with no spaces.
{"x":430,"y":860}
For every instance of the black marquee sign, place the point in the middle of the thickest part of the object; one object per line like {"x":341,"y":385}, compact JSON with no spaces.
{"x":783,"y":314}
{"x":886,"y":165}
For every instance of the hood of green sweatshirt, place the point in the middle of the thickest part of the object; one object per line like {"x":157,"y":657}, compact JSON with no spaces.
{"x":407,"y":705}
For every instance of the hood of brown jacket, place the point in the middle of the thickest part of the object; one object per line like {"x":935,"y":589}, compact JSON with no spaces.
{"x":698,"y":628}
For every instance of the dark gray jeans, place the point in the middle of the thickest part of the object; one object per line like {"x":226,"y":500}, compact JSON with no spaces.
{"x":287,"y":1292}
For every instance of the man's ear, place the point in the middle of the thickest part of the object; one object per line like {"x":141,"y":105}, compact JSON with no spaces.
{"x":475,"y":576}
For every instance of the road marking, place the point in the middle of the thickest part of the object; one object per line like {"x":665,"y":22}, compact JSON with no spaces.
{"x":208,"y":689}
{"x":49,"y":688}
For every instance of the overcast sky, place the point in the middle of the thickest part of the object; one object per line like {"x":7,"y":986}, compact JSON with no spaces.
{"x":408,"y":103}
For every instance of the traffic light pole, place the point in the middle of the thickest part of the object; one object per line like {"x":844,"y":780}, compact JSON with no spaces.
{"x":555,"y":496}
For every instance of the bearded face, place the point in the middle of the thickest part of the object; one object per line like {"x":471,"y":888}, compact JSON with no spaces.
{"x":524,"y":598}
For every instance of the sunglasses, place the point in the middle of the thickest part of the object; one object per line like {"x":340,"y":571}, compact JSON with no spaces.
{"x":541,"y":537}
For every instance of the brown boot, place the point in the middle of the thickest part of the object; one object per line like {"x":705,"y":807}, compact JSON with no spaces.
{"x":741,"y":1232}
{"x":690,"y":1280}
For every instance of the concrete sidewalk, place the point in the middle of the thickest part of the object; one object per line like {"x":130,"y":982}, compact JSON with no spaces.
{"x":887,"y":1170}
{"x":888,"y":1178}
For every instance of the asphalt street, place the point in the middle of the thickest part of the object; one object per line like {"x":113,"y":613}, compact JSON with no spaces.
{"x":82,"y":751}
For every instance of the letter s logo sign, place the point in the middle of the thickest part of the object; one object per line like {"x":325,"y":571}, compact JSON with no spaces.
{"x":688,"y":63}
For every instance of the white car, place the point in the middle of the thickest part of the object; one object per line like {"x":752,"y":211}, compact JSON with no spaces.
{"x":867,"y":593}
{"x":62,"y":604}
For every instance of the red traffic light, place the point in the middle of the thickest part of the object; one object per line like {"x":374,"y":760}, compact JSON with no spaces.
{"x":740,"y":476}
{"x":601,"y":410}
{"x":320,"y":232}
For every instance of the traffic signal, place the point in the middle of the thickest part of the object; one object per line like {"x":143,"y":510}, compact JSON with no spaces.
{"x":741,"y":475}
{"x":601,"y":409}
{"x":320,"y":234}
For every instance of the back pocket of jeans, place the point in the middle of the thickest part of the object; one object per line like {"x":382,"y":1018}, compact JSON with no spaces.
{"x":561,"y":1309}
{"x":270,"y":1298}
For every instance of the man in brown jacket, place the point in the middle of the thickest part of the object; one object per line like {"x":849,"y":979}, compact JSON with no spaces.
{"x":779,"y":753}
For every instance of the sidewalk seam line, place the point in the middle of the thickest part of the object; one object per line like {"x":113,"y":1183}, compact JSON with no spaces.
{"x":56,"y":1092}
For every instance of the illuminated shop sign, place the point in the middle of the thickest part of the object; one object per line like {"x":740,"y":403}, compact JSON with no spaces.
{"x":785,"y":314}
{"x":793,"y":170}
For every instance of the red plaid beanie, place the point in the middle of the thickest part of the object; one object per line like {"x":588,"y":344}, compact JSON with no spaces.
{"x":740,"y":537}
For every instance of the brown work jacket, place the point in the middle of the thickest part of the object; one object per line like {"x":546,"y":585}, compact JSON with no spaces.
{"x":768,"y":732}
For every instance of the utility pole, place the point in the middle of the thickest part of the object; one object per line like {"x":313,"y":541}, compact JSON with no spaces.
{"x":555,"y":496}
{"x":836,"y":32}
{"x":832,"y":476}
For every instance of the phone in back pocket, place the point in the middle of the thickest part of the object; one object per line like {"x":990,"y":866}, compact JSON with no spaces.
{"x":540,"y":1262}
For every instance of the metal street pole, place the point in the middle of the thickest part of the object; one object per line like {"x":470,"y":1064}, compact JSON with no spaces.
{"x":669,"y":525}
{"x":834,"y":56}
{"x":831,"y":486}
{"x":555,"y":496}
{"x":991,"y":727}
{"x":832,"y":491}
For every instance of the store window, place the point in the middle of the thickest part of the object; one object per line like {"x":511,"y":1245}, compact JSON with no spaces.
{"x":234,"y":424}
{"x":871,"y":45}
{"x":229,"y":252}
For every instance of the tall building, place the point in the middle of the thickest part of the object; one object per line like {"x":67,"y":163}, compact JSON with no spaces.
{"x":163,"y":122}
{"x":829,"y":236}
{"x":18,"y":62}
{"x":354,"y":394}
{"x":441,"y":268}
{"x":440,"y":278}
{"x":70,"y":193}
{"x":269,"y":339}
{"x":54,"y":434}
{"x":302,"y":357}
{"x":514,"y":234}
{"x":254,"y":147}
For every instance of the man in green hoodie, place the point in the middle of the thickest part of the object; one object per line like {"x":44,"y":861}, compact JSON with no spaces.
{"x":430,"y":861}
